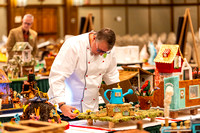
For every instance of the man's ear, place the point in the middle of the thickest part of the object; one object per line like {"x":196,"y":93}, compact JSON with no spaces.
{"x":94,"y":37}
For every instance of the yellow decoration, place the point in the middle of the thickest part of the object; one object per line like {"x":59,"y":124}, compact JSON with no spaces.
{"x":55,"y":108}
{"x":3,"y":57}
{"x":76,"y":112}
{"x":25,"y":107}
{"x":88,"y":111}
{"x":51,"y":113}
{"x":118,"y":86}
{"x":38,"y":91}
{"x":37,"y":111}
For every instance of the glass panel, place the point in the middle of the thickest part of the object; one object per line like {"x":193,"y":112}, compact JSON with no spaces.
{"x":194,"y":91}
{"x":116,"y":109}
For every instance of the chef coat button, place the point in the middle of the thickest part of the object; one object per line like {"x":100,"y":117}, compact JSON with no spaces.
{"x":86,"y":75}
{"x":85,"y":88}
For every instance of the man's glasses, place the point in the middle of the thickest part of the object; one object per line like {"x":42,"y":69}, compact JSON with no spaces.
{"x":101,"y":51}
{"x":28,"y":23}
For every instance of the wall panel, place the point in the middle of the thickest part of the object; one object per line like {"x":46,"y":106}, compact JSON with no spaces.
{"x":191,"y":1}
{"x":143,"y":1}
{"x":2,"y":1}
{"x":155,"y":1}
{"x":36,"y":2}
{"x":178,"y":1}
{"x":3,"y":24}
{"x":160,"y":19}
{"x":138,"y":20}
{"x":61,"y":22}
{"x":107,"y":1}
{"x":132,"y":1}
{"x":94,"y":1}
{"x":165,"y":1}
{"x":120,"y":1}
{"x":109,"y":19}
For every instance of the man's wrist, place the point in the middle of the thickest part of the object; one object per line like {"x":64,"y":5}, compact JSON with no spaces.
{"x":61,"y":104}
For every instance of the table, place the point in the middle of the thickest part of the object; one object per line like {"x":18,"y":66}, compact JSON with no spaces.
{"x":101,"y":127}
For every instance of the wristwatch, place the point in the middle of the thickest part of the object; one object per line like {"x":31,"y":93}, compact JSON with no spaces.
{"x":62,"y":105}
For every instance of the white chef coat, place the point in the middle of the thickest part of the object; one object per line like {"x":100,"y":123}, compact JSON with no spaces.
{"x":76,"y":74}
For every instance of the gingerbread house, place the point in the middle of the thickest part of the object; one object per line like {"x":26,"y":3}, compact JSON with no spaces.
{"x":23,"y":49}
{"x":169,"y":59}
{"x":130,"y":77}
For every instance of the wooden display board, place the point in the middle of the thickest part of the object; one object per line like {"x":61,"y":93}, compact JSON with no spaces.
{"x":183,"y":34}
{"x":88,"y":24}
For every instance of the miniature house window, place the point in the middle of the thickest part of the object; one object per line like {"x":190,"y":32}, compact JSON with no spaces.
{"x":166,"y":52}
{"x":126,"y":113}
{"x":197,"y":127}
{"x":26,"y":55}
{"x":177,"y":62}
{"x":194,"y":91}
{"x":143,"y":79}
{"x":116,"y":109}
{"x":117,"y":94}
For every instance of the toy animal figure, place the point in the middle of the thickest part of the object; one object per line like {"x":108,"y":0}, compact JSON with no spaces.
{"x":144,"y":54}
{"x":153,"y":53}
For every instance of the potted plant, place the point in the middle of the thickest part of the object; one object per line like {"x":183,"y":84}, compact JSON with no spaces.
{"x":145,"y":95}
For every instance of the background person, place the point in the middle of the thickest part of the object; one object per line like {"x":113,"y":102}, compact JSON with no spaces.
{"x":24,"y":33}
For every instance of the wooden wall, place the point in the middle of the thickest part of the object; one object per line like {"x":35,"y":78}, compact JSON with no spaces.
{"x":46,"y":21}
{"x":46,"y":17}
{"x":137,"y":16}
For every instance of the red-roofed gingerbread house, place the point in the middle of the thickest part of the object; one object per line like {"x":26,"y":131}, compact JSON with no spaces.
{"x":169,"y":59}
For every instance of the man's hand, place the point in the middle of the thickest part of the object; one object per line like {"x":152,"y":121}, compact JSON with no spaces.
{"x":67,"y":111}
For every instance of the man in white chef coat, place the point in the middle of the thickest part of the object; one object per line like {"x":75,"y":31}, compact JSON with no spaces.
{"x":78,"y":70}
